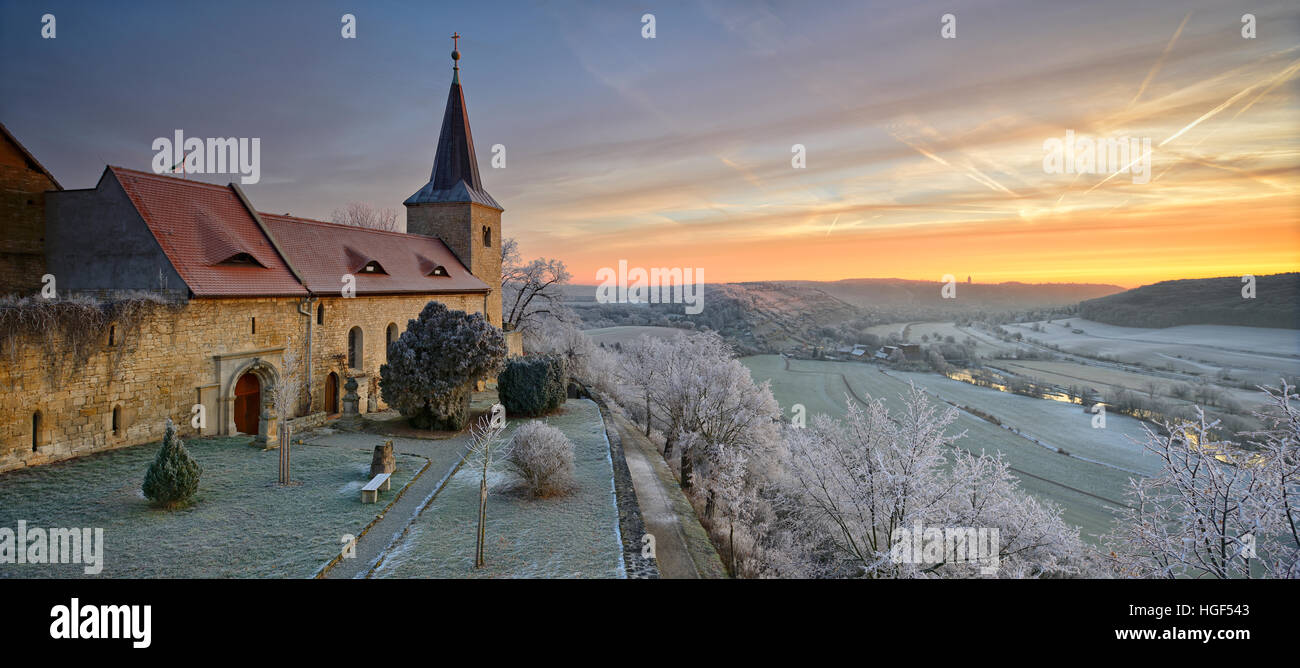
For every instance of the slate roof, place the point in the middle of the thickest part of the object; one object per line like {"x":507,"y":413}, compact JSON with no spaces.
{"x":455,"y":176}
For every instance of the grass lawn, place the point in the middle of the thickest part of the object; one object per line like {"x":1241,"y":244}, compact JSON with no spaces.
{"x":242,"y":525}
{"x":572,"y":536}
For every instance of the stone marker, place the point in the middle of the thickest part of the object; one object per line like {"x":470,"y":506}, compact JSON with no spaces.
{"x":383,"y":460}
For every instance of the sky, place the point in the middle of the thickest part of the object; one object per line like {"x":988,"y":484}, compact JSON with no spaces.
{"x":923,"y":156}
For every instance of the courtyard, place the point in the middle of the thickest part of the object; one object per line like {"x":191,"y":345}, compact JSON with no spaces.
{"x":243,"y":524}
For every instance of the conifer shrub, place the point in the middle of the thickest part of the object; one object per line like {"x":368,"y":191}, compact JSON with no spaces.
{"x":534,"y":385}
{"x":432,"y":367}
{"x":173,"y":477}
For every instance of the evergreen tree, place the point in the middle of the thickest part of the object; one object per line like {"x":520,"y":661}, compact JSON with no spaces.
{"x":173,"y":478}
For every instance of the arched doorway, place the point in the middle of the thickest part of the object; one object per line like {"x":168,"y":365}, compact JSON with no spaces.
{"x":248,"y":403}
{"x":332,"y":393}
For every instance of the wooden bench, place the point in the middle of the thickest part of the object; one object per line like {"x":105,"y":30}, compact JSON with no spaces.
{"x":370,"y":493}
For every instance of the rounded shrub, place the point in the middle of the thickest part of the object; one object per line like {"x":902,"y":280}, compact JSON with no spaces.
{"x":533,"y":385}
{"x":543,"y":456}
{"x":173,"y":478}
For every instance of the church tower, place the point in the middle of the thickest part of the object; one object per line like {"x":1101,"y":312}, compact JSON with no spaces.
{"x":453,"y":205}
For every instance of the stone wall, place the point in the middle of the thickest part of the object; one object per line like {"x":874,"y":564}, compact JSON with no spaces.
{"x":460,"y":226}
{"x":183,"y":356}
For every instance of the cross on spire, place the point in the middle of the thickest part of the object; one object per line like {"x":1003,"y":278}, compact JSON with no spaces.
{"x":455,"y":57}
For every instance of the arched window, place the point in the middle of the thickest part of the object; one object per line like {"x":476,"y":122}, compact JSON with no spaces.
{"x":356,"y":349}
{"x":36,"y":430}
{"x":117,"y":420}
{"x":320,"y":314}
{"x":389,"y":338}
{"x":487,"y":236}
{"x":112,"y":335}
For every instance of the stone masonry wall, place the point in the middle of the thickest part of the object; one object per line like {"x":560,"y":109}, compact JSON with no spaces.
{"x":181,"y":357}
{"x":460,"y":226}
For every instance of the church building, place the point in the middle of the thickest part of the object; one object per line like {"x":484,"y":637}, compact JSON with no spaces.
{"x":202,"y":300}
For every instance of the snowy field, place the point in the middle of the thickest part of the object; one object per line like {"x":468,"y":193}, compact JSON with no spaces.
{"x":1088,"y":482}
{"x":1254,"y":354}
{"x":571,"y":536}
{"x":242,"y":525}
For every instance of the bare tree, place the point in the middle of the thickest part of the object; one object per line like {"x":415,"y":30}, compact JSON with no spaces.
{"x":360,"y":214}
{"x":285,"y":401}
{"x":484,"y":445}
{"x":531,"y":290}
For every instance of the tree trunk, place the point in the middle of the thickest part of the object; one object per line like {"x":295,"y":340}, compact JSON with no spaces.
{"x":482,"y":516}
{"x":647,"y":416}
{"x":732,"y":540}
{"x":686,"y":468}
{"x":479,"y":557}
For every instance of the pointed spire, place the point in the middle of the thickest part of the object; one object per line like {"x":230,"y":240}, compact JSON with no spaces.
{"x":455,"y":176}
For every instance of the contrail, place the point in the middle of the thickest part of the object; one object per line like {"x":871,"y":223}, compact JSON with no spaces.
{"x":1280,"y":76}
{"x":1161,"y":60}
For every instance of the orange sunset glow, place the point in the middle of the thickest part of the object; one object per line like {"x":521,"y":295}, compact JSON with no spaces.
{"x":936,"y":164}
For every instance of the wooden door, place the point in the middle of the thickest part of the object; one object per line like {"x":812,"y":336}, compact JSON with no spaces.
{"x":332,"y":394}
{"x":248,"y":404}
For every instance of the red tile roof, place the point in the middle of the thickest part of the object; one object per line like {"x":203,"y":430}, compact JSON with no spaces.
{"x":200,"y":225}
{"x":323,"y":252}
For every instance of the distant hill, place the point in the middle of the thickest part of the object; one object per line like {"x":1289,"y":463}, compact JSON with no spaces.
{"x":895,"y":293}
{"x":1202,"y":301}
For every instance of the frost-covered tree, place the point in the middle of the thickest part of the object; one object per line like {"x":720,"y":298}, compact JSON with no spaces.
{"x":173,"y":477}
{"x":484,"y":445}
{"x":852,"y":485}
{"x":530,"y":290}
{"x":287,"y":399}
{"x":638,"y":367}
{"x":1216,"y":509}
{"x":432,"y":367}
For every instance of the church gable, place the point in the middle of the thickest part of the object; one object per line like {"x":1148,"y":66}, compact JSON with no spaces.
{"x":209,"y":236}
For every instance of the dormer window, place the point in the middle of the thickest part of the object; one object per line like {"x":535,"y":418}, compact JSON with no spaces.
{"x":438,"y":271}
{"x":240,"y":260}
{"x":372,"y":267}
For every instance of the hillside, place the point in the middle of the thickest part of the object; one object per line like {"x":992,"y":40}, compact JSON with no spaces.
{"x":1202,"y":301}
{"x":920,"y":297}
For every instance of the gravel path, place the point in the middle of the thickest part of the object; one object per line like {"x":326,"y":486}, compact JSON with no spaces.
{"x":444,"y":457}
{"x":682,"y":548}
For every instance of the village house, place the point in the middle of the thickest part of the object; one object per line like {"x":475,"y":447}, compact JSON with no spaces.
{"x":219,"y":292}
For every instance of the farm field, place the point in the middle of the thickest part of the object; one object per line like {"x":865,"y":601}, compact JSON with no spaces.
{"x":626,"y":333}
{"x":1089,"y":483}
{"x":985,"y":344}
{"x":1066,"y":373}
{"x":1255,"y":354}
